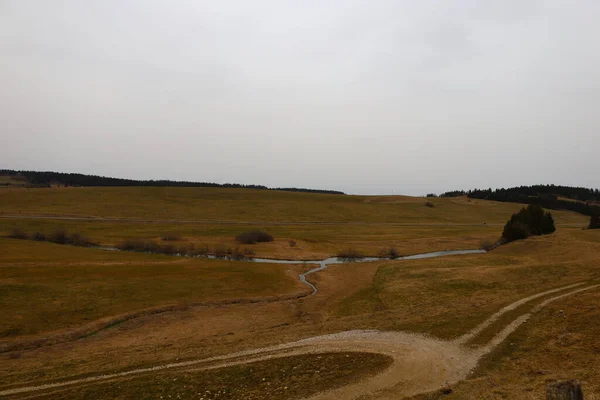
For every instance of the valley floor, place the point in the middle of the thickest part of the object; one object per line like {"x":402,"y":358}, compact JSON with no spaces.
{"x":495,"y":325}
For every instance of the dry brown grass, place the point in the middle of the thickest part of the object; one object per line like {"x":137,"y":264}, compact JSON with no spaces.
{"x":454,"y":223}
{"x":279,"y":379}
{"x":47,"y":294}
{"x":444,"y":297}
{"x":254,"y":205}
{"x":559,"y":343}
{"x":309,"y":241}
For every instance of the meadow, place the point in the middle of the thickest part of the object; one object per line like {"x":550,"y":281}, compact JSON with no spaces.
{"x":246,"y":205}
{"x":51,"y":289}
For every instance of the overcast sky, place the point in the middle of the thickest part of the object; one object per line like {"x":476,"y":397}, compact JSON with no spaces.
{"x":373,"y":96}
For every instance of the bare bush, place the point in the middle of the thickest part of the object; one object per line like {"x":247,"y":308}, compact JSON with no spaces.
{"x":390,"y":252}
{"x":292,"y":243}
{"x":77,"y":239}
{"x":149,"y":246}
{"x":140,"y":245}
{"x":253,"y":237}
{"x":489,"y":245}
{"x":60,"y":236}
{"x":239,"y":254}
{"x":350,"y":253}
{"x":39,"y":236}
{"x":200,"y":251}
{"x":220,"y":252}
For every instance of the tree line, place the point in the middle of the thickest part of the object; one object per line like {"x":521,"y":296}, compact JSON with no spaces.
{"x":554,"y":197}
{"x":46,"y":178}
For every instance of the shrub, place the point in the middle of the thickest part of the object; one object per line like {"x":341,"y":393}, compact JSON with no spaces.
{"x":187,"y":249}
{"x":350,"y":253}
{"x":149,"y":246}
{"x":200,"y":251}
{"x":238,"y":254}
{"x":429,"y":204}
{"x":165,"y":249}
{"x":77,"y":239}
{"x":488,"y":245}
{"x":171,"y":237}
{"x":529,"y":221}
{"x":594,"y":222}
{"x":18,"y":233}
{"x":292,"y":243}
{"x":39,"y":236}
{"x":136,"y":245}
{"x":59,"y":237}
{"x":253,"y":237}
{"x":389,"y":253}
{"x":220,"y":252}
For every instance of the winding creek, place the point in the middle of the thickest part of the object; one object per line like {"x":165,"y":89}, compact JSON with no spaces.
{"x":335,"y":260}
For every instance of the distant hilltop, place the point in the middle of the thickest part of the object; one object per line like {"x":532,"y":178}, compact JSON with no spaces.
{"x":581,"y":200}
{"x":50,"y":178}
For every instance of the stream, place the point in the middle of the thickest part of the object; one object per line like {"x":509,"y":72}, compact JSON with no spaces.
{"x":333,"y":260}
{"x":337,"y":260}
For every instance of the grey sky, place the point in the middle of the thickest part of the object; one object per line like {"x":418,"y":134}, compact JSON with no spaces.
{"x":362,"y":96}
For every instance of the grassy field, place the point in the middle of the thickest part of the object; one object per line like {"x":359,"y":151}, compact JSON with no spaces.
{"x":461,"y":222}
{"x":558,"y":344}
{"x":52,"y":288}
{"x":47,"y":287}
{"x":447,"y":296}
{"x":309,"y":241}
{"x":244,"y":205}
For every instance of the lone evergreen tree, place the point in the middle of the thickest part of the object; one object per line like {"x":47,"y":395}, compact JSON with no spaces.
{"x":530,"y":221}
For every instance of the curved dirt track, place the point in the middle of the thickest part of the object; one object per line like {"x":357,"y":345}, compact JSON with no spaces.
{"x":421,"y":363}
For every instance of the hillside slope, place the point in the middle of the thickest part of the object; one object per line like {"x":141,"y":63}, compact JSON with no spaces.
{"x":246,"y":205}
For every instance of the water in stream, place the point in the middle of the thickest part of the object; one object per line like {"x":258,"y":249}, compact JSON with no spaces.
{"x":337,"y":260}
